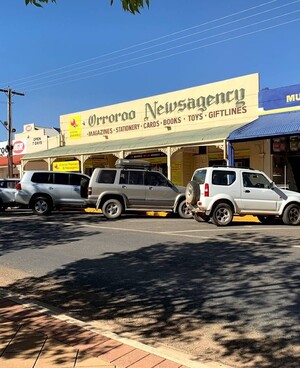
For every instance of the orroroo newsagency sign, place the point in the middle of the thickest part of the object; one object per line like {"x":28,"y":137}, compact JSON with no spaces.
{"x":216,"y":104}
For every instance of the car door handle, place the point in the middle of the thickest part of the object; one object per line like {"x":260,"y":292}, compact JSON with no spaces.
{"x":247,"y":191}
{"x":76,"y":189}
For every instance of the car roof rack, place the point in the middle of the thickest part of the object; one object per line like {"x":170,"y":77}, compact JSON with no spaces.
{"x":123,"y":163}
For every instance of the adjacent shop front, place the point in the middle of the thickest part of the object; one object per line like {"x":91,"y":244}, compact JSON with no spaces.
{"x":19,"y":149}
{"x":277,"y":132}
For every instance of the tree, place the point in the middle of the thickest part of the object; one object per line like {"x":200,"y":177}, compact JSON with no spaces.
{"x":132,"y":6}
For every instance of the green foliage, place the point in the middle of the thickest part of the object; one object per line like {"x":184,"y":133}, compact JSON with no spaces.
{"x":38,"y":2}
{"x":131,"y":6}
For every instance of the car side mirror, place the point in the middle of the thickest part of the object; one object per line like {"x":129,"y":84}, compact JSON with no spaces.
{"x":272,"y":185}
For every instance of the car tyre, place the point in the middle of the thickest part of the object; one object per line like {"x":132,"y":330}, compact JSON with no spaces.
{"x":201,"y":217}
{"x":184,"y":211}
{"x":291,"y":215}
{"x":222,"y":214}
{"x":2,"y":206}
{"x":112,"y":209}
{"x":266,"y":220}
{"x":41,"y":206}
{"x":192,"y":192}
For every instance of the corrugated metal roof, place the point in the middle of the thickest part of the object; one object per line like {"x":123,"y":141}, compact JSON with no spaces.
{"x":191,"y":137}
{"x":268,"y":126}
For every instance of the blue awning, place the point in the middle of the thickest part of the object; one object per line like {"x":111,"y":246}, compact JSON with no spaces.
{"x":267,"y":126}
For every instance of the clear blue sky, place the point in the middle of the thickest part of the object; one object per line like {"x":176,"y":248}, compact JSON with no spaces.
{"x":83,"y":54}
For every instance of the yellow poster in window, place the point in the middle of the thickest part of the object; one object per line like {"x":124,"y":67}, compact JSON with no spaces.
{"x":66,"y":166}
{"x":75,"y":127}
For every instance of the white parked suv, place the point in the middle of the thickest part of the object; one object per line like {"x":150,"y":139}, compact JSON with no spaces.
{"x":219,"y":193}
{"x":7,"y":193}
{"x":44,"y":191}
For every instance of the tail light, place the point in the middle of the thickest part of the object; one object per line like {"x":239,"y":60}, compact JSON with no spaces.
{"x":19,"y":186}
{"x":206,"y":190}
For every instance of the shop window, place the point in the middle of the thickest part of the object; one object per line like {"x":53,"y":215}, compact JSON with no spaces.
{"x":217,"y":163}
{"x":202,"y":150}
{"x":242,"y":162}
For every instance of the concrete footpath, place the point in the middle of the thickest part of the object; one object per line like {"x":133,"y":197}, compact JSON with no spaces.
{"x":35,"y":337}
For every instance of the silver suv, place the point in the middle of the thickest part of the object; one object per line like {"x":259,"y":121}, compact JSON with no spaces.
{"x":7,"y":193}
{"x":219,"y":193}
{"x":133,"y":186}
{"x":44,"y":191}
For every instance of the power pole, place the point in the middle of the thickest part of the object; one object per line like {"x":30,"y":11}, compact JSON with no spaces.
{"x":9,"y":93}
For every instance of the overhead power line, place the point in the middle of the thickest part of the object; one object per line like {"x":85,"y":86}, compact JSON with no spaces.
{"x":167,"y":56}
{"x":147,"y":42}
{"x":33,"y":85}
{"x":43,"y":76}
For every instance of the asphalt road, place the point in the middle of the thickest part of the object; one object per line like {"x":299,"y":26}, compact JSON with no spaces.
{"x":217,"y":294}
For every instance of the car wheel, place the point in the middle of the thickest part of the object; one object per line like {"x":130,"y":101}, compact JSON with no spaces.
{"x":184,"y":211}
{"x":266,"y":220}
{"x":291,"y":215}
{"x":222,"y":214}
{"x":2,"y":206}
{"x":201,"y":217}
{"x":192,"y":192}
{"x":41,"y":206}
{"x":112,"y":209}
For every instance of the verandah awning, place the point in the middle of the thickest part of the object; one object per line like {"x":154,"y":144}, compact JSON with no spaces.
{"x":202,"y":136}
{"x":16,"y":160}
{"x":267,"y":126}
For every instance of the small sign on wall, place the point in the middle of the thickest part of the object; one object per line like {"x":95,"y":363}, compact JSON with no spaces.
{"x":66,"y":166}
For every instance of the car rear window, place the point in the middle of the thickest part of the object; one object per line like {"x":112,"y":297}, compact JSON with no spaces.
{"x":106,"y":176}
{"x":199,"y":176}
{"x":221,"y":177}
{"x":8,"y":184}
{"x":42,"y":177}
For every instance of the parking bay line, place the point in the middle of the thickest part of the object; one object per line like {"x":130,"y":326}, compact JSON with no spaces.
{"x":183,"y":232}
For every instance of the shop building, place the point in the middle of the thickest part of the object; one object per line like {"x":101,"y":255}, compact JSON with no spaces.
{"x":32,"y":139}
{"x":276,"y":136}
{"x":177,"y":131}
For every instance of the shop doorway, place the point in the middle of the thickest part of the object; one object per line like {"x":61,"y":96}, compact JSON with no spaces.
{"x":294,"y":164}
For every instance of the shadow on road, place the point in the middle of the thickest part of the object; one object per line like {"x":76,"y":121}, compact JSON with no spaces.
{"x":170,"y":292}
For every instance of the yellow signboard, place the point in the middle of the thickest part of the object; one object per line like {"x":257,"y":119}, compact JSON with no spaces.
{"x":75,"y":127}
{"x":66,"y":166}
{"x":229,"y":102}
